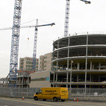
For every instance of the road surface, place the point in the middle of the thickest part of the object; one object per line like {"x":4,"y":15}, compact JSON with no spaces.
{"x":31,"y":102}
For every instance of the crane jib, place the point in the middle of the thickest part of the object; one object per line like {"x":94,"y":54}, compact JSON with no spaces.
{"x":9,"y":28}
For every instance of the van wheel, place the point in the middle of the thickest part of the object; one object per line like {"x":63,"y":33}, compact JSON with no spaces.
{"x":44,"y":99}
{"x":62,"y":100}
{"x":55,"y":99}
{"x":35,"y":98}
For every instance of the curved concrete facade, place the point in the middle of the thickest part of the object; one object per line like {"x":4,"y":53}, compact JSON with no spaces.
{"x":79,"y":61}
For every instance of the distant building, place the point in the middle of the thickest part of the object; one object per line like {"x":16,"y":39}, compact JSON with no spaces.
{"x":26,"y":63}
{"x":45,"y":62}
{"x":41,"y":64}
{"x":40,"y":78}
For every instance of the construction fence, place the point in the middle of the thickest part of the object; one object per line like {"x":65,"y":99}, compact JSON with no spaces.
{"x":17,"y":92}
{"x":29,"y":92}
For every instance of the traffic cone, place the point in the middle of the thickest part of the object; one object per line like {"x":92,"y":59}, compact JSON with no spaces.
{"x":23,"y":98}
{"x":74,"y":99}
{"x":77,"y":100}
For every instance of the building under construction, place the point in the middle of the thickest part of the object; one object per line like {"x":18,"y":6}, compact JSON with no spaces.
{"x":79,"y":61}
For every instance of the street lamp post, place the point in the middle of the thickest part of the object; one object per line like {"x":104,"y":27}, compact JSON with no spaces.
{"x":53,"y":78}
{"x":86,"y":62}
{"x":71,"y":76}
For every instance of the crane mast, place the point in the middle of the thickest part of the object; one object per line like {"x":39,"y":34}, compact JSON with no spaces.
{"x":35,"y":47}
{"x":15,"y":39}
{"x":67,"y":12}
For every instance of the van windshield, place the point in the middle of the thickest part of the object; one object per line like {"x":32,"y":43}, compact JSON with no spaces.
{"x":40,"y":91}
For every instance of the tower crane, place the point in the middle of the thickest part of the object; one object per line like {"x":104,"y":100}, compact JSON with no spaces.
{"x":13,"y":73}
{"x":15,"y":39}
{"x":67,"y":13}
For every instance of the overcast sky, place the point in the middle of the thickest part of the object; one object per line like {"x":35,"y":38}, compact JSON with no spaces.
{"x":83,"y":18}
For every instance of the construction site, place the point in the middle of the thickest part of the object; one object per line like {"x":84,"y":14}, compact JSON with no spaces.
{"x":77,"y":62}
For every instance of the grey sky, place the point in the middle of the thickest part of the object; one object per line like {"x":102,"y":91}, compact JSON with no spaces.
{"x":83,"y":18}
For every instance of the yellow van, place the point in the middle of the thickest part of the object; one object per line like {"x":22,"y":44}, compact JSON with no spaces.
{"x":55,"y":93}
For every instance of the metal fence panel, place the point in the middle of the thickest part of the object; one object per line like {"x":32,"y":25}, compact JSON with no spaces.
{"x":29,"y":92}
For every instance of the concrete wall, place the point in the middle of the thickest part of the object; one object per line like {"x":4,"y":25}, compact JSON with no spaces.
{"x":40,"y":79}
{"x":39,"y":84}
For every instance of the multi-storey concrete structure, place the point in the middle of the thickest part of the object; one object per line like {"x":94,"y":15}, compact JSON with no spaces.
{"x":79,"y":61}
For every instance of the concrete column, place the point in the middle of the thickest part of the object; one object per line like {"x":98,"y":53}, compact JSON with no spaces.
{"x":67,"y":79}
{"x":70,"y":80}
{"x":77,"y":66}
{"x":67,"y":64}
{"x":90,"y":65}
{"x":56,"y":65}
{"x":99,"y":66}
{"x":71,"y":64}
{"x":68,"y":46}
{"x":86,"y":62}
{"x":71,"y":76}
{"x":68,"y":53}
{"x":56,"y":77}
{"x":53,"y":78}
